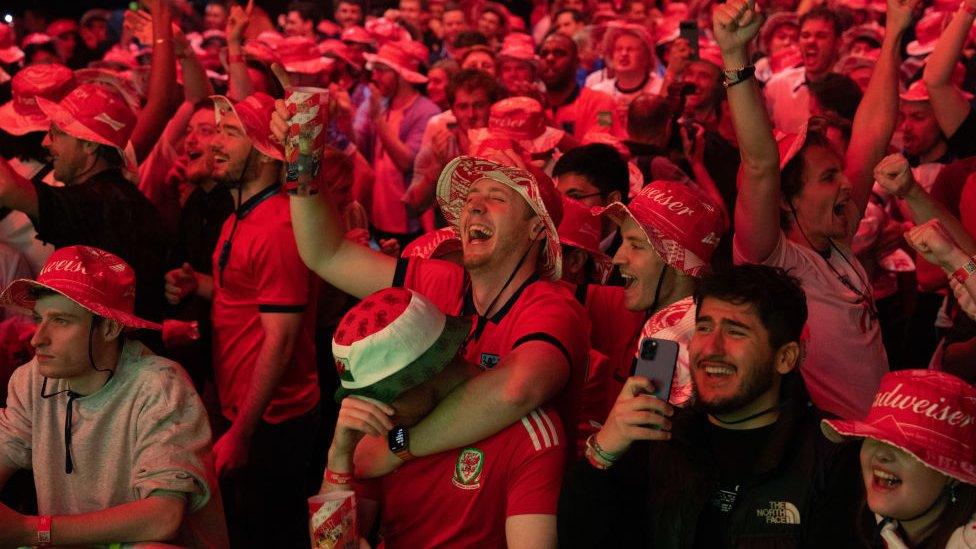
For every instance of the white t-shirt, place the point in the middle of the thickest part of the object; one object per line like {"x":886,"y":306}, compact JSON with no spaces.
{"x":844,"y":358}
{"x":788,"y":99}
{"x":621,"y":99}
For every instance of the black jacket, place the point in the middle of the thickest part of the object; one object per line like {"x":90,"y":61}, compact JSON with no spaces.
{"x":805,"y":491}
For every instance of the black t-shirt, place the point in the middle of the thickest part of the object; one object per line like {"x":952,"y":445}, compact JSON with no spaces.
{"x":201,"y":219}
{"x":108,"y":212}
{"x":962,"y":143}
{"x":736,"y":453}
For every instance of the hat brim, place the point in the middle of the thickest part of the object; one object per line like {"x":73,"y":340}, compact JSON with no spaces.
{"x":310,"y":66}
{"x":602,"y":264}
{"x":426,"y":366}
{"x":257,"y":141}
{"x":19,"y":124}
{"x":673,"y":253}
{"x":915,"y":49}
{"x":11,"y":55}
{"x":452,"y":189}
{"x":18,"y":295}
{"x":840,"y":430}
{"x":410,"y":76}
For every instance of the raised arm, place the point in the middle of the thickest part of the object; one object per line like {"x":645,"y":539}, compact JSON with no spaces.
{"x":240,"y":83}
{"x":196,"y":85}
{"x":16,"y":192}
{"x":757,"y":229}
{"x":895,"y":176}
{"x":354,"y":269}
{"x":948,"y":103}
{"x":162,"y":81}
{"x":875,"y":120}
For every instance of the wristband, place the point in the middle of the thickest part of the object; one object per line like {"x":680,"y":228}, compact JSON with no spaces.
{"x":598,"y":450}
{"x":235,"y":58}
{"x":337,"y":478}
{"x":44,"y":531}
{"x":595,"y":461}
{"x":963,"y":273}
{"x":737,"y":76}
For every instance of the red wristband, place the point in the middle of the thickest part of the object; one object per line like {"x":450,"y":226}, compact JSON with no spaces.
{"x":337,"y":478}
{"x":963,"y":273}
{"x":44,"y":531}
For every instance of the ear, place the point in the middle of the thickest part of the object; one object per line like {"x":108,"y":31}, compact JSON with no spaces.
{"x":537,"y":229}
{"x":574,"y":260}
{"x":787,"y":357}
{"x":89,"y":146}
{"x":110,"y":330}
{"x":613,"y":196}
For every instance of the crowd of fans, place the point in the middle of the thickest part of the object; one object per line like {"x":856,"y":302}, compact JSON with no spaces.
{"x":510,"y":210}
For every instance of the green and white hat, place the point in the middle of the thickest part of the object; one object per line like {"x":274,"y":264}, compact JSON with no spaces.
{"x":392,"y":341}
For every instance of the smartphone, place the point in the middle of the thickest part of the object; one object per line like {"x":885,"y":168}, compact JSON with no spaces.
{"x":656,"y":361}
{"x":689,"y":31}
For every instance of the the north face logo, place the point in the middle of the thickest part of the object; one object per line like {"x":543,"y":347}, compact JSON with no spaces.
{"x":780,"y":512}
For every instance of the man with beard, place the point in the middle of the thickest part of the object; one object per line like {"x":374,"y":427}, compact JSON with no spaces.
{"x":575,"y":109}
{"x":263,"y":317}
{"x":787,"y":93}
{"x":746,"y":467}
{"x":91,"y":153}
{"x":530,"y":335}
{"x":201,"y":217}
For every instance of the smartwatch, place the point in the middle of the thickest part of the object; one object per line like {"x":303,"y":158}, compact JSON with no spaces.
{"x":398,"y":440}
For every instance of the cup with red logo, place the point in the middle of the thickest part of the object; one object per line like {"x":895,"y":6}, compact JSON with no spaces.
{"x":305,"y":138}
{"x":332,"y":520}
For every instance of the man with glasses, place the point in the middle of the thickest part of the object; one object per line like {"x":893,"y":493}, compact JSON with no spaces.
{"x":595,"y":175}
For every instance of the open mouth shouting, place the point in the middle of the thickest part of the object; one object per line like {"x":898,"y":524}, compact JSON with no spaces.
{"x":478,"y":233}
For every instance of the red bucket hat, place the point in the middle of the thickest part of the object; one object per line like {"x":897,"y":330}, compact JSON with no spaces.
{"x":537,"y":190}
{"x":21,"y":114}
{"x":401,"y":56}
{"x":340,"y":50}
{"x":254,"y":112}
{"x":581,"y":229}
{"x":9,"y":52}
{"x":519,"y":46}
{"x":94,"y":279}
{"x":927,"y":413}
{"x":357,"y":35}
{"x":95,"y":113}
{"x":301,"y":55}
{"x":121,"y":83}
{"x":518,"y":119}
{"x":392,"y":341}
{"x":382,"y":30}
{"x":434,"y":244}
{"x":681,"y":225}
{"x":927,"y":32}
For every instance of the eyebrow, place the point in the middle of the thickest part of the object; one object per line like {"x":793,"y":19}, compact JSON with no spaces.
{"x":725,"y":322}
{"x":55,"y":312}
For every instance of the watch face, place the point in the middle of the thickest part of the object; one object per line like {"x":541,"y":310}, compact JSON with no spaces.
{"x":398,"y":439}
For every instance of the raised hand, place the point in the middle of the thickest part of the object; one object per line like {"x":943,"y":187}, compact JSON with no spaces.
{"x":237,"y":22}
{"x":180,"y":283}
{"x":637,"y":415}
{"x":935,"y":244}
{"x":900,"y":14}
{"x":894,"y":175}
{"x":735,"y":24}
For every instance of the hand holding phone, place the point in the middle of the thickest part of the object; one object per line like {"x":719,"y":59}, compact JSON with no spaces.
{"x":636,"y":415}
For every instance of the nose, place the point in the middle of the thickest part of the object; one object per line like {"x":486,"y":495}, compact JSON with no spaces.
{"x":40,"y":336}
{"x":620,"y":257}
{"x":46,"y":143}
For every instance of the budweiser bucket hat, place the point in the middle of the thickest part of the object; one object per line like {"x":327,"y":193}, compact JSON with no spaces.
{"x":581,"y":229}
{"x":518,"y":119}
{"x":301,"y":55}
{"x":681,"y":225}
{"x":400,"y":56}
{"x":537,"y":190}
{"x":392,"y":341}
{"x":21,"y":115}
{"x":254,"y":113}
{"x":94,"y":279}
{"x":94,"y":112}
{"x":927,"y":413}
